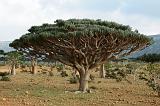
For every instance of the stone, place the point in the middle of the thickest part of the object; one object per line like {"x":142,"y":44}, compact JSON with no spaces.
{"x":4,"y":99}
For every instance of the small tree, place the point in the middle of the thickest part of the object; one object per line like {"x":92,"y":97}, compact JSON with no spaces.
{"x":2,"y":56}
{"x":13,"y":59}
{"x":81,"y":43}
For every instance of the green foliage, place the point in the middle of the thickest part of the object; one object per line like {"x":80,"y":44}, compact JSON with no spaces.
{"x":143,"y":76}
{"x":5,"y":78}
{"x":2,"y":52}
{"x":64,"y":74}
{"x":118,"y":74}
{"x":66,"y":40}
{"x":153,"y":69}
{"x":14,"y":57}
{"x":150,"y":58}
{"x":73,"y":80}
{"x":152,"y":76}
{"x":60,"y":67}
{"x":81,"y":43}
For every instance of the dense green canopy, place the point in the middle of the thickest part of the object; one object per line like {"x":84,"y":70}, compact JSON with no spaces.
{"x":77,"y":34}
{"x":81,"y":43}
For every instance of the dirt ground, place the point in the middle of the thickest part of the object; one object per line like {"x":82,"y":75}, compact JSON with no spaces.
{"x":26,"y":89}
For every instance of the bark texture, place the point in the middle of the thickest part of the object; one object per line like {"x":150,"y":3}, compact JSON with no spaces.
{"x":83,"y":81}
{"x":102,"y":71}
{"x":34,"y":66}
{"x":13,"y":71}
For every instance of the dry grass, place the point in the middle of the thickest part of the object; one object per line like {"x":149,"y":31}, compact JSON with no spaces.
{"x":26,"y":89}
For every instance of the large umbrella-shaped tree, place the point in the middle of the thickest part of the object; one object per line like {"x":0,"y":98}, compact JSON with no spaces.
{"x":81,"y":43}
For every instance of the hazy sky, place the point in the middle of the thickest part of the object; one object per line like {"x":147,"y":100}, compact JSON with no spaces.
{"x":17,"y":16}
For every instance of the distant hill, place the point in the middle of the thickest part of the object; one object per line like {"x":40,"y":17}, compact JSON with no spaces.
{"x":4,"y":45}
{"x":154,"y":48}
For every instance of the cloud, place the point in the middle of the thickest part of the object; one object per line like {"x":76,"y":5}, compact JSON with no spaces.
{"x":149,"y":8}
{"x":19,"y":15}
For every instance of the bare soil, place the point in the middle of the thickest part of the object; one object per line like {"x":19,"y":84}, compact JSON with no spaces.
{"x":26,"y":89}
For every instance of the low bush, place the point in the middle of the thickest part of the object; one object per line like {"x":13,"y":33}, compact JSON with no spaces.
{"x":73,"y":80}
{"x":51,"y":73}
{"x":4,"y":73}
{"x":60,"y":67}
{"x":116,"y":73}
{"x":64,"y":74}
{"x":5,"y":78}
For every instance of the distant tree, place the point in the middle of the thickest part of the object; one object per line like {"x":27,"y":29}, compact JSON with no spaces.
{"x":13,"y":58}
{"x":1,"y":52}
{"x":2,"y":56}
{"x":150,"y":58}
{"x":81,"y":43}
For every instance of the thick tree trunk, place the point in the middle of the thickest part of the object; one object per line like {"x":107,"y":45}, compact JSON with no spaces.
{"x":13,"y":71}
{"x":83,"y":82}
{"x":102,"y":71}
{"x":34,"y":66}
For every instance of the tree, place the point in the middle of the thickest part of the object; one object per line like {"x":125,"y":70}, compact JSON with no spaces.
{"x":13,"y":59}
{"x":2,"y":55}
{"x":81,"y":43}
{"x":1,"y":52}
{"x":152,"y":58}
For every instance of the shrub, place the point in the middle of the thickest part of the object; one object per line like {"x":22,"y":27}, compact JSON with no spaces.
{"x":60,"y":67}
{"x":116,"y":73}
{"x":143,"y":76}
{"x":4,"y":73}
{"x":64,"y":74}
{"x":150,"y":58}
{"x":5,"y":78}
{"x":73,"y":80}
{"x":152,"y":77}
{"x":51,"y":73}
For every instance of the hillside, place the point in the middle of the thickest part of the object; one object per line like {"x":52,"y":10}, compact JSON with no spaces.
{"x":154,"y":48}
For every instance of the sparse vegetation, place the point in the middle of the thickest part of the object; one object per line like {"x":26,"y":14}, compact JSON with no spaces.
{"x":80,"y":46}
{"x":81,"y":43}
{"x":74,"y":80}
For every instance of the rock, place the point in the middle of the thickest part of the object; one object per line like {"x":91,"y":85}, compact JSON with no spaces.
{"x":4,"y":99}
{"x":89,"y":91}
{"x":26,"y":92}
{"x":66,"y":91}
{"x":77,"y":92}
